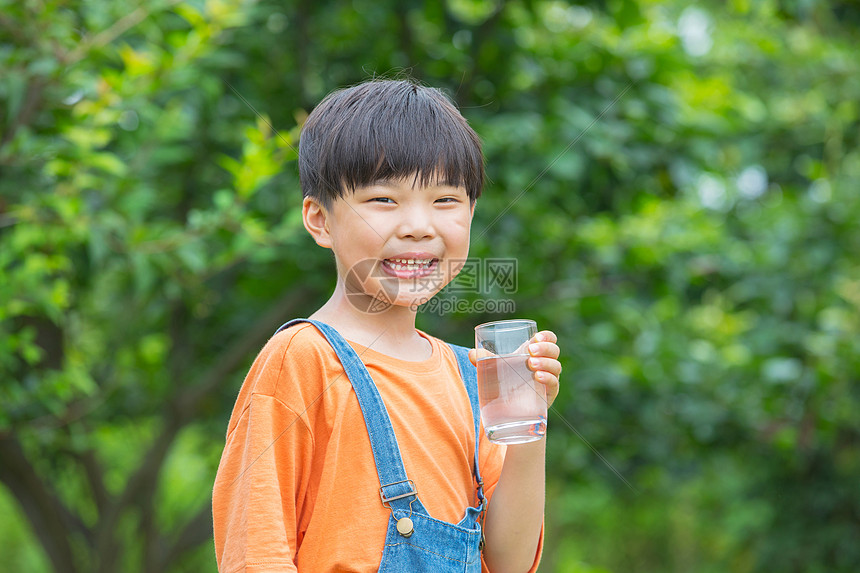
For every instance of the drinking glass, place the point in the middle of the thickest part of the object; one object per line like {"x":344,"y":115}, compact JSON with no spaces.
{"x":513,"y":404}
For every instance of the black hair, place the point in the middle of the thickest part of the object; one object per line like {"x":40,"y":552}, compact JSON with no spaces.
{"x":384,"y":130}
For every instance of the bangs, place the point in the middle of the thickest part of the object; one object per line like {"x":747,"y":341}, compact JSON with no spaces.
{"x":388,"y":130}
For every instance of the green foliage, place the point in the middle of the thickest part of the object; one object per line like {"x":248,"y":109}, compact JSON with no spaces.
{"x":676,"y":182}
{"x":130,"y":198}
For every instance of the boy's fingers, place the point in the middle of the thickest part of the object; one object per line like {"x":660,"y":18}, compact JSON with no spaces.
{"x":475,"y":355}
{"x":479,"y":353}
{"x":551,"y":383}
{"x":545,"y":349}
{"x":549,"y":365}
{"x":546,"y":336}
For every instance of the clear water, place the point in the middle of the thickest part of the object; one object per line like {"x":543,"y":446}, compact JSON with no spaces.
{"x":513,"y":405}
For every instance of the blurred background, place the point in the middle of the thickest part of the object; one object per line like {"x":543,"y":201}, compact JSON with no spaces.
{"x":677,"y":181}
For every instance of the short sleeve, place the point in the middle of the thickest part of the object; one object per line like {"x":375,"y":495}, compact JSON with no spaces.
{"x":259,"y":487}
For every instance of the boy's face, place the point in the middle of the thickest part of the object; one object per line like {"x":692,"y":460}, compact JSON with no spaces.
{"x":395,"y":244}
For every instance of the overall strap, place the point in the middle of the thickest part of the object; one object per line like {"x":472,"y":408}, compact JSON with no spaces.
{"x":470,"y":379}
{"x":394,"y":485}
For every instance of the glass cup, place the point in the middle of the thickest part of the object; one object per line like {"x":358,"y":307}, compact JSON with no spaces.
{"x":513,"y":404}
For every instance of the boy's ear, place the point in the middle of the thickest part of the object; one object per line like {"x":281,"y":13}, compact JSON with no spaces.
{"x":315,"y":218}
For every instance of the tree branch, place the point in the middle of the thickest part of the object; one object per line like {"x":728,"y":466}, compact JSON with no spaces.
{"x":196,"y":531}
{"x":32,"y":99}
{"x":182,"y":409}
{"x":153,"y":542}
{"x":112,"y":32}
{"x":95,"y":477}
{"x":51,"y":521}
{"x":252,"y":339}
{"x":140,"y":484}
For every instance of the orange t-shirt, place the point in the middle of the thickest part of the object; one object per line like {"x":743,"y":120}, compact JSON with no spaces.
{"x":297,"y":487}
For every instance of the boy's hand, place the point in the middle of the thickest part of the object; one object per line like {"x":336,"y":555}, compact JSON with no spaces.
{"x":543,"y":362}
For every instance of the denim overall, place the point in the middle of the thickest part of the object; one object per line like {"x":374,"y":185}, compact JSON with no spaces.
{"x":418,"y":543}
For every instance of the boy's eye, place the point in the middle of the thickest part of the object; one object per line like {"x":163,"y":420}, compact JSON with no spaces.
{"x":447,"y":200}
{"x":382,"y":199}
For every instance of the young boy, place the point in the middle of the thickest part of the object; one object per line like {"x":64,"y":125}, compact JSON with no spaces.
{"x":328,"y":469}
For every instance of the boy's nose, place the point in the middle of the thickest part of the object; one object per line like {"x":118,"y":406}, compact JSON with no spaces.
{"x":417,"y":224}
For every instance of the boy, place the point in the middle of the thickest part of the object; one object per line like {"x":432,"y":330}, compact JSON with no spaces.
{"x":327,"y":469}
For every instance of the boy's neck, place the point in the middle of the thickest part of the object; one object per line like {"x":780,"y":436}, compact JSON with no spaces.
{"x":390,"y":331}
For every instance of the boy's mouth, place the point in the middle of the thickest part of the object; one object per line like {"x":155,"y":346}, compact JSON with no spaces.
{"x":403,"y":268}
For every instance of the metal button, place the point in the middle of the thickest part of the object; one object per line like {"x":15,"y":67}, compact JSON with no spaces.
{"x":404,"y":527}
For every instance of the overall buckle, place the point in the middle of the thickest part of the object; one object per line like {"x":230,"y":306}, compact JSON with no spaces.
{"x":385,"y":499}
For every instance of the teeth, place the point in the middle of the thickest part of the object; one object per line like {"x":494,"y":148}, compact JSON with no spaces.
{"x":411,"y":261}
{"x":409,"y":264}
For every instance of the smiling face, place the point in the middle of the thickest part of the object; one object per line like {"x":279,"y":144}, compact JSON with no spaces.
{"x":394,"y":243}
